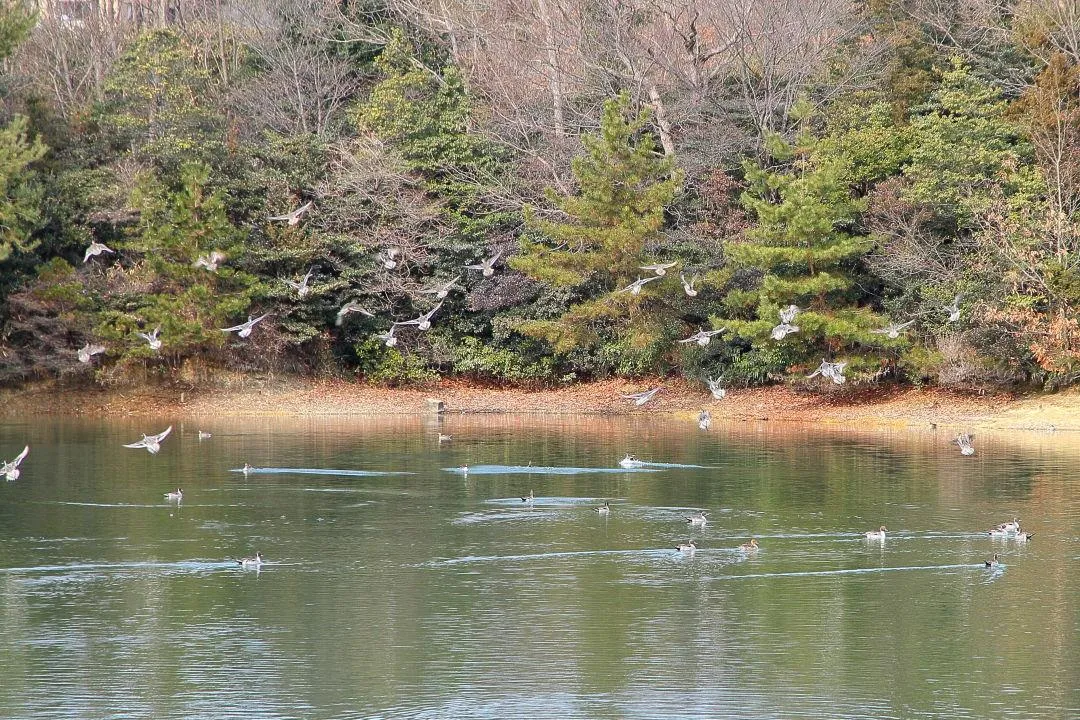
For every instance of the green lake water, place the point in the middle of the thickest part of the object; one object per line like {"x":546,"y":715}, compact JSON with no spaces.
{"x":432,"y":594}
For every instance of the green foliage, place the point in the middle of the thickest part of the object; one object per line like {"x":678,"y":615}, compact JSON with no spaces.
{"x":475,"y":359}
{"x":165,"y":289}
{"x":157,"y":103}
{"x":16,"y":22}
{"x":20,"y":192}
{"x":390,"y":366}
{"x":963,"y":150}
{"x":805,"y":244}
{"x":625,"y":187}
{"x":426,"y":116}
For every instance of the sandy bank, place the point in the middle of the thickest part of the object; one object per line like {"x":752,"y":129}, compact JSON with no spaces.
{"x":874,"y":407}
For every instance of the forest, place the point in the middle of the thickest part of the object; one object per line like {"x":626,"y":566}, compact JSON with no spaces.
{"x":906,"y":173}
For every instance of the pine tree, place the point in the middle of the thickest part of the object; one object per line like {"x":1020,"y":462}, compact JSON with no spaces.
{"x":164,"y":288}
{"x":20,"y":193}
{"x":805,"y":247}
{"x":625,"y":186}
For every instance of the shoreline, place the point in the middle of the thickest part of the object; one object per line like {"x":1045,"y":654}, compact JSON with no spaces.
{"x":293,"y":397}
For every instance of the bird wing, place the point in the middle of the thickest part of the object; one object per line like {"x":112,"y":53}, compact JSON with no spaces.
{"x":494,"y":258}
{"x":692,"y":338}
{"x":161,"y":435}
{"x":432,"y":311}
{"x":241,"y":326}
{"x":21,"y":456}
{"x":139,"y":444}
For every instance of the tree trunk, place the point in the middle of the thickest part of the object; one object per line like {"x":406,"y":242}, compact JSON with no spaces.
{"x":662,"y":121}
{"x":554,"y":73}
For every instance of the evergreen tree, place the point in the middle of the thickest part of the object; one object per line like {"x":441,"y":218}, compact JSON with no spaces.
{"x":625,"y":186}
{"x":808,"y":253}
{"x":164,"y":288}
{"x":20,"y":193}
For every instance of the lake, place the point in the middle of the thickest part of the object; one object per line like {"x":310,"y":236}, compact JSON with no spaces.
{"x":417,"y":591}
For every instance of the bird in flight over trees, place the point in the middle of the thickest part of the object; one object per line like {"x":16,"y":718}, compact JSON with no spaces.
{"x":440,"y":292}
{"x":302,"y":288}
{"x":717,"y":391}
{"x":893,"y":330}
{"x":244,"y":329}
{"x":424,"y":321}
{"x":294,"y":217}
{"x":634,"y":288}
{"x":487,"y":267}
{"x":351,"y":307}
{"x":152,"y":443}
{"x":390,"y":258}
{"x":211,"y":261}
{"x":785,"y":327}
{"x":389,"y":338}
{"x":641,"y":398}
{"x":688,"y":286}
{"x":659,"y":268}
{"x":96,"y":249}
{"x":831,"y":370}
{"x":953,"y":310}
{"x":702,"y":337}
{"x":152,"y":338}
{"x":88,"y":351}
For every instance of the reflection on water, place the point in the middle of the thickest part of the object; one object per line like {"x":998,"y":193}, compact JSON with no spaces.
{"x":396,"y":589}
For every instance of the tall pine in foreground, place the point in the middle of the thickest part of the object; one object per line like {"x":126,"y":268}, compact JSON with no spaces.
{"x":807,"y":252}
{"x":591,"y":255}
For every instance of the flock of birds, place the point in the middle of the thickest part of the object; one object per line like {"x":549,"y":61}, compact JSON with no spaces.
{"x":392,"y":256}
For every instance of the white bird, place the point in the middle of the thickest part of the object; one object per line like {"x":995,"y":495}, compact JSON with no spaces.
{"x":88,"y":351}
{"x":152,"y":443}
{"x":634,"y":288}
{"x":704,"y":420}
{"x":445,"y":438}
{"x":604,"y":509}
{"x":687,"y":548}
{"x":251,"y":561}
{"x":785,"y":327}
{"x":631,"y":461}
{"x":424,"y":321}
{"x":659,"y":268}
{"x":390,"y":260}
{"x":641,"y":398}
{"x":204,"y":436}
{"x":244,"y":329}
{"x":440,"y":292}
{"x":177,"y":496}
{"x":703,"y":337}
{"x":302,"y":288}
{"x":878,"y":534}
{"x":699,"y":519}
{"x":953,"y":310}
{"x":96,"y":249}
{"x":487,"y":267}
{"x":779,"y":332}
{"x":831,"y":370}
{"x":893,"y":330}
{"x":688,"y":287}
{"x":1024,"y":536}
{"x":389,"y":338}
{"x":351,"y":307}
{"x":717,"y":391}
{"x":10,"y":469}
{"x":152,"y":338}
{"x":247,"y":469}
{"x":993,"y":562}
{"x":1011,"y":526}
{"x":211,"y":261}
{"x":528,"y":498}
{"x":966,"y":447}
{"x":294,"y":217}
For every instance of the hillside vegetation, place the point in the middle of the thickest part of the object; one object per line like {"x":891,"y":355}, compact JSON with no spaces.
{"x":905,"y":173}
